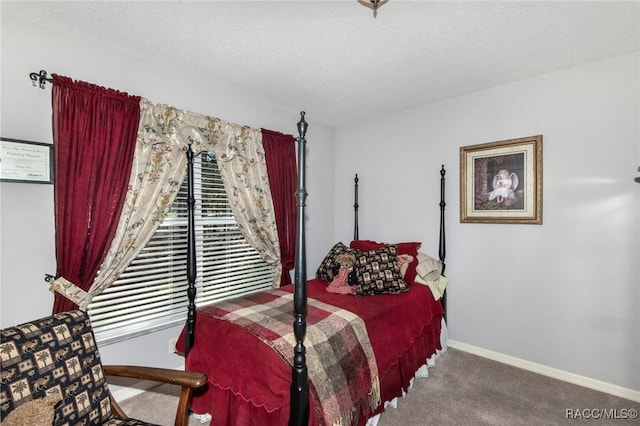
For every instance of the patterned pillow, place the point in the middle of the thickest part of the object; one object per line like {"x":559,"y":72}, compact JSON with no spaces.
{"x":378,"y":272}
{"x":328,"y":265}
{"x":410,"y":248}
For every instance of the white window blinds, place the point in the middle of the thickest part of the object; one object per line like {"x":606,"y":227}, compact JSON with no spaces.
{"x":151,"y":293}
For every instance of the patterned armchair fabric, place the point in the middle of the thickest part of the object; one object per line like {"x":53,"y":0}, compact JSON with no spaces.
{"x":56,"y":354}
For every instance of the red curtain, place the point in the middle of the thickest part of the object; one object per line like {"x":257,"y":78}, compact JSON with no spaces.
{"x":94,"y":136}
{"x":280,"y":155}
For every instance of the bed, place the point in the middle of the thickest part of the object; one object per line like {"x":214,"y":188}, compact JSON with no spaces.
{"x":302,"y":355}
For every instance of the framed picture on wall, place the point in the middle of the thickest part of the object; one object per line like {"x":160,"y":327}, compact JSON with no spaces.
{"x":25,"y":161}
{"x":501,"y":182}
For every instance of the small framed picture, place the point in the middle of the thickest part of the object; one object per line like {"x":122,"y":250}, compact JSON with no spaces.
{"x":501,"y":182}
{"x":25,"y":161}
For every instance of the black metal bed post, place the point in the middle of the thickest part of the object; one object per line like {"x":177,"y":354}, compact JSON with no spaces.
{"x":191,"y":257}
{"x":299,"y":403}
{"x":356,"y":231}
{"x":442,"y":252}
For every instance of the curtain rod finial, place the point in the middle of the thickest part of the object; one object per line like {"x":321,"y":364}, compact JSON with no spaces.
{"x":302,"y":125}
{"x":41,"y":78}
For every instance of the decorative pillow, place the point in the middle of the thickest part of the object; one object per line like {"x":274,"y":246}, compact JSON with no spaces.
{"x":429,"y":268}
{"x":327,"y":269}
{"x":378,"y":272}
{"x":410,"y":248}
{"x":37,"y":412}
{"x":366,"y":245}
{"x":403,"y":261}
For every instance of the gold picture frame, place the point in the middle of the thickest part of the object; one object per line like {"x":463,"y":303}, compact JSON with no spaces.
{"x":501,"y":182}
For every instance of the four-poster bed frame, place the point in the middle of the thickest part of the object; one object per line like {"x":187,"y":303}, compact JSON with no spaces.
{"x":299,"y":391}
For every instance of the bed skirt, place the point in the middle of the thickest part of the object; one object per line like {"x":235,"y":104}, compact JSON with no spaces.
{"x":421,"y":372}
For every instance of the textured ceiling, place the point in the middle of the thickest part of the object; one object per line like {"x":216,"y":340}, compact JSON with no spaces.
{"x":333,"y":59}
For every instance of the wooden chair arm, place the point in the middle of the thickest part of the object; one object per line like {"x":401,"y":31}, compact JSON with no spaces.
{"x":188,"y":380}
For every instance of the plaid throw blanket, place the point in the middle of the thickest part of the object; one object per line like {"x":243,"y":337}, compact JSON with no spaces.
{"x":342,"y":370}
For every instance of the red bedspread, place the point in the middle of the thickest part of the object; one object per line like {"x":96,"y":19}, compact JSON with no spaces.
{"x":249,"y":383}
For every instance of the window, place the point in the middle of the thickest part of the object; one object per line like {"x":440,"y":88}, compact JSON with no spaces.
{"x":151,"y":293}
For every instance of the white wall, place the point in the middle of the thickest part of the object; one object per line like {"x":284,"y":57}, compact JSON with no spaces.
{"x":564,"y":294}
{"x":27,"y":248}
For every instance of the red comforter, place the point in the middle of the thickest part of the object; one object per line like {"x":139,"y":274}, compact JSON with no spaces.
{"x":249,"y":383}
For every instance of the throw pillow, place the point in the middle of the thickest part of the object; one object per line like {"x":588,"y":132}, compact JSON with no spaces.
{"x":410,"y":248}
{"x":329,"y":266}
{"x":378,"y":272}
{"x":37,"y":412}
{"x":403,"y":261}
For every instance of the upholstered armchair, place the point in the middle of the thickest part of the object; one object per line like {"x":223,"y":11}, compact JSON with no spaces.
{"x":52,"y":375}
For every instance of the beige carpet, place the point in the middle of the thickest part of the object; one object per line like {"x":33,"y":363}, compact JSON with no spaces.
{"x":462,"y":389}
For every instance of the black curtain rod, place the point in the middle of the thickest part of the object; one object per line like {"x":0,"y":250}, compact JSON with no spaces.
{"x":41,"y":78}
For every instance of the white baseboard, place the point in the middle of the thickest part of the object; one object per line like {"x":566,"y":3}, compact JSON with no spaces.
{"x":121,"y":393}
{"x":576,"y":379}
